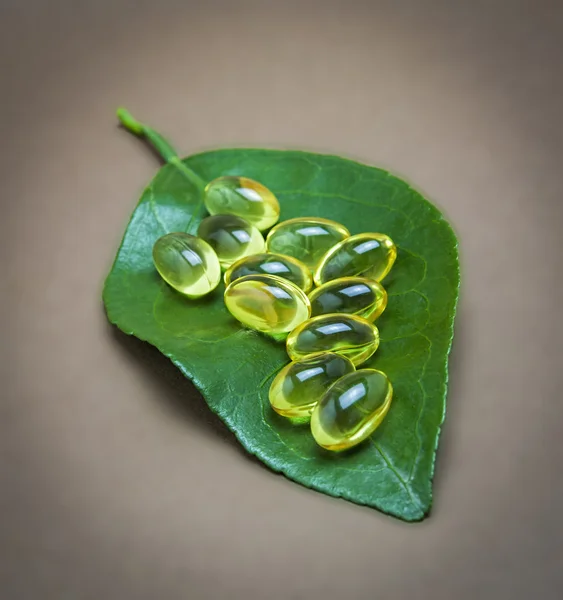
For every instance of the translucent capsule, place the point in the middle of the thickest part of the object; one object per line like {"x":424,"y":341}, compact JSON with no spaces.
{"x":187,"y":263}
{"x":351,"y":295}
{"x":307,"y":239}
{"x":369,"y":255}
{"x":231,"y":237}
{"x":352,"y":409}
{"x":243,"y":197}
{"x":272,"y":264}
{"x":348,"y":335}
{"x":267,"y":303}
{"x":300,"y":385}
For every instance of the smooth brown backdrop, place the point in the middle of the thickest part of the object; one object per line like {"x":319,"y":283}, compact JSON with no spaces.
{"x":116,"y":481}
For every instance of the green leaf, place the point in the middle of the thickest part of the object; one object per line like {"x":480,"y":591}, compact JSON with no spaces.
{"x":233,"y":367}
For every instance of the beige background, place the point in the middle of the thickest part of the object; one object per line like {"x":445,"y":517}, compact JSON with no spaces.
{"x":116,"y":482}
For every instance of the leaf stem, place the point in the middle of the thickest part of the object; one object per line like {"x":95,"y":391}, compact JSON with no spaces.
{"x":161,"y":144}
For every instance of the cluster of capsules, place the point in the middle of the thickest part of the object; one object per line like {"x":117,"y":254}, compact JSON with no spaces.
{"x":328,"y":330}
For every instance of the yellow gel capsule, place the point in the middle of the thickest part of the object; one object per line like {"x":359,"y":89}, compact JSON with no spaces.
{"x":231,"y":237}
{"x":243,"y":197}
{"x":352,"y":409}
{"x":272,"y":264}
{"x":351,"y":295}
{"x":369,"y":255}
{"x":307,"y":239}
{"x":348,"y":335}
{"x":300,"y":385}
{"x":267,"y":303}
{"x":187,"y":263}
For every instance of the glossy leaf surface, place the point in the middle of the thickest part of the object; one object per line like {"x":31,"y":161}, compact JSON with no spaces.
{"x":233,"y":367}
